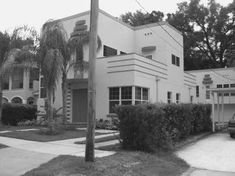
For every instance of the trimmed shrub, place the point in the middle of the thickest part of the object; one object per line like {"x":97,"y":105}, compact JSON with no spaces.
{"x":149,"y":127}
{"x":12,"y":113}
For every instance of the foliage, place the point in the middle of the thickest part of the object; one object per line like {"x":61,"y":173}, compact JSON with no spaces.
{"x":12,"y":114}
{"x":140,"y":18}
{"x":150,"y":127}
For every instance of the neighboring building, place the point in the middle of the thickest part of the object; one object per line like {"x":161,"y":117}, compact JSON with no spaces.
{"x":134,"y":65}
{"x":220,"y":81}
{"x":21,"y":87}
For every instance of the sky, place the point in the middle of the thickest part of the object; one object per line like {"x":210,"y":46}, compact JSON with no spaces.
{"x":34,"y":13}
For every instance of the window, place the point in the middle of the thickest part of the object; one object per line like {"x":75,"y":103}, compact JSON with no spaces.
{"x":149,"y":56}
{"x":121,"y":52}
{"x":108,"y":51}
{"x":219,"y":85}
{"x":175,"y":60}
{"x":33,"y":75}
{"x":5,"y":83}
{"x":226,"y":86}
{"x":197,"y":91}
{"x":43,"y":93}
{"x":169,"y":97}
{"x":17,"y":100}
{"x":17,"y":79}
{"x":207,"y":92}
{"x":141,"y":95}
{"x":177,"y":98}
{"x":30,"y":101}
{"x":232,"y":86}
{"x":123,"y":96}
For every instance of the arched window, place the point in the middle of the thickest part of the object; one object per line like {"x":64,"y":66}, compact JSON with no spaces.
{"x":30,"y":101}
{"x":4,"y":100}
{"x":17,"y":100}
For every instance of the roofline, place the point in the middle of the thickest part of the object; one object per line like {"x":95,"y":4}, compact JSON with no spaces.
{"x":212,"y":69}
{"x":121,"y":22}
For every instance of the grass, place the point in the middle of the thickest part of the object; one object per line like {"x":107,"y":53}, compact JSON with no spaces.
{"x":14,"y":128}
{"x":122,"y":163}
{"x":37,"y":136}
{"x":103,"y":139}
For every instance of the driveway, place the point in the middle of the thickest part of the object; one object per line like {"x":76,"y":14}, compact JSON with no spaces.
{"x":216,"y":153}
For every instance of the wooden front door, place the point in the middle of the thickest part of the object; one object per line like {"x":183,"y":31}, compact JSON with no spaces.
{"x":80,"y":105}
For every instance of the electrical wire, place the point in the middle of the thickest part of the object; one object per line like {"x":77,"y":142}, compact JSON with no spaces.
{"x":160,"y":24}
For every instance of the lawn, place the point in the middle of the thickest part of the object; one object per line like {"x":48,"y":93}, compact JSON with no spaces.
{"x":122,"y":163}
{"x":37,"y":136}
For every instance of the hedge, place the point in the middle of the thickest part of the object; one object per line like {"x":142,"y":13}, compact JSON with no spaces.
{"x":149,"y":127}
{"x":13,"y":113}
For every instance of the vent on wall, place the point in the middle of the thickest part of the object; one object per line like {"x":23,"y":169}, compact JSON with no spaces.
{"x":148,"y":48}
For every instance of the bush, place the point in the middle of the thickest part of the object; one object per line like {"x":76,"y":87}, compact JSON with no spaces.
{"x":12,"y":113}
{"x":150,"y":127}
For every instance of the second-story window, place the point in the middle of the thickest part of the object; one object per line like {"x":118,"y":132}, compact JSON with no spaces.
{"x":43,"y":91}
{"x":17,"y":79}
{"x":226,"y":86}
{"x":108,"y":51}
{"x":207,"y":92}
{"x":175,"y":60}
{"x":33,"y":76}
{"x":232,"y":86}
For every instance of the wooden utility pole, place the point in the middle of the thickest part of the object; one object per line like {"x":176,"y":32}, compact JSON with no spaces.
{"x":90,"y":154}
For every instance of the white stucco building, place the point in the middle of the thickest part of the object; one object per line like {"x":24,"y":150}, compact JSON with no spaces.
{"x":134,"y":65}
{"x":140,"y":64}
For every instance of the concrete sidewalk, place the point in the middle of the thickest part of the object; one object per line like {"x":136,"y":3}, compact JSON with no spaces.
{"x":23,"y":155}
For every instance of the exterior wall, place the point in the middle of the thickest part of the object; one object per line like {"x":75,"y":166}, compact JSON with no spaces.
{"x":218,"y":76}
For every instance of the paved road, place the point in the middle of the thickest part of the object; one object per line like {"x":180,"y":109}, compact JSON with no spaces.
{"x":214,"y":155}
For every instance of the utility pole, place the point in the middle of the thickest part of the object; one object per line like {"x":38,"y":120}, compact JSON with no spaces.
{"x":90,"y":143}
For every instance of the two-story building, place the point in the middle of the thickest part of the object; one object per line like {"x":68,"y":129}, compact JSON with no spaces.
{"x":134,"y":65}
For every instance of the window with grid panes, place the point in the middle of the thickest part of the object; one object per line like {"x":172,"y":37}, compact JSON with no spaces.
{"x":108,"y":51}
{"x":169,"y":97}
{"x":197,"y":91}
{"x":226,"y":86}
{"x":141,"y":95}
{"x":177,"y":98}
{"x":232,"y":86}
{"x":113,"y":98}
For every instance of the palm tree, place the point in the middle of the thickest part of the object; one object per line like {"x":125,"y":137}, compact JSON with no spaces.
{"x":52,"y":45}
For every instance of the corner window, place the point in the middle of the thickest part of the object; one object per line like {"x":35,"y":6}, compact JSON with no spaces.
{"x":232,"y":86}
{"x":141,"y":95}
{"x":169,"y":97}
{"x":108,"y":51}
{"x":122,"y":53}
{"x":123,"y":96}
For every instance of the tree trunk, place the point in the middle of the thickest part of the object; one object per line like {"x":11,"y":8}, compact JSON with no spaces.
{"x":0,"y":101}
{"x":51,"y":124}
{"x":64,"y":95}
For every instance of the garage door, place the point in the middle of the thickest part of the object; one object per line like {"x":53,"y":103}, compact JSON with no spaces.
{"x":79,"y":105}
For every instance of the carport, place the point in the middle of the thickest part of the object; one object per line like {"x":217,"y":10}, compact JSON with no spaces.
{"x":220,"y":106}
